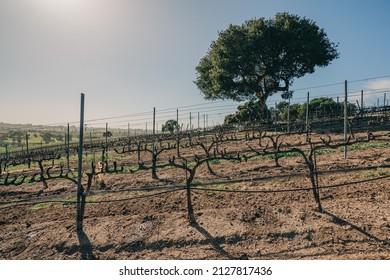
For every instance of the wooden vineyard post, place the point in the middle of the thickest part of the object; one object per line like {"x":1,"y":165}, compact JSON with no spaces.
{"x":80,"y":190}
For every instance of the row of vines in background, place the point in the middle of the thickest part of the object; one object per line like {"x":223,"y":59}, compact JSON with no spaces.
{"x":372,"y":118}
{"x":66,"y":150}
{"x":185,"y":151}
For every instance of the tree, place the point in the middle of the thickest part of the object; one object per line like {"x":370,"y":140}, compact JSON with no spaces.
{"x":294,"y":112}
{"x":248,"y":112}
{"x":107,"y":134}
{"x":282,"y":109}
{"x":46,"y":136}
{"x":254,"y":60}
{"x":282,"y":106}
{"x":171,"y":126}
{"x":321,"y":106}
{"x":325,"y":107}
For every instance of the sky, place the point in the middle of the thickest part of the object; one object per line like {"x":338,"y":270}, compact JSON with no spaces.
{"x":129,"y":56}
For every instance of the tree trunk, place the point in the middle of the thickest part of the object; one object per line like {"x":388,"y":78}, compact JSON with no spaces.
{"x":262,"y":98}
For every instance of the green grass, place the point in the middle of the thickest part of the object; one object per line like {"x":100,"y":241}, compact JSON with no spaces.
{"x":280,"y":155}
{"x":366,"y":146}
{"x":197,"y":182}
{"x":43,"y":205}
{"x":379,"y":172}
{"x":383,"y":172}
{"x":7,"y":205}
{"x":325,"y":151}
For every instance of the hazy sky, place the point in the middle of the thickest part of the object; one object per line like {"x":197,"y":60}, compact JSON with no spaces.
{"x":129,"y":56}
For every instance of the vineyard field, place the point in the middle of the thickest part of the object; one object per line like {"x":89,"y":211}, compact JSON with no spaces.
{"x":246,"y":204}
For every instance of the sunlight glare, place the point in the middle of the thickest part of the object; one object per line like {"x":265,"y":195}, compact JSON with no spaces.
{"x":64,"y":5}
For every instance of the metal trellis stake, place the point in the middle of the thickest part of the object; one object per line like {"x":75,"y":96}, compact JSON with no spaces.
{"x":177,"y":133}
{"x":106,"y":141}
{"x":80,"y":189}
{"x":190,"y":122}
{"x":68,"y":147}
{"x":288,"y":116}
{"x":27,"y":148}
{"x":345,"y":118}
{"x":307,"y":117}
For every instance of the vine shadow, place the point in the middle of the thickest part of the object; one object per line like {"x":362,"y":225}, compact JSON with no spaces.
{"x":85,"y":247}
{"x":215,"y":243}
{"x":340,"y":221}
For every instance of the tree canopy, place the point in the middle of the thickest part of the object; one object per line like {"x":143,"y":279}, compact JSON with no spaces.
{"x":248,"y":112}
{"x":254,"y":60}
{"x":171,"y":126}
{"x":321,"y":107}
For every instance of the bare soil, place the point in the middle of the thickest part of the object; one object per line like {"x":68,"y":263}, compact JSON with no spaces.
{"x":355,"y":223}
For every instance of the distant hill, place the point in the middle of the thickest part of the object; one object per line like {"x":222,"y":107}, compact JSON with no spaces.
{"x":29,"y":127}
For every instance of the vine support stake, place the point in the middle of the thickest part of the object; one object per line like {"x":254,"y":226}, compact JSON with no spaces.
{"x":67,"y":147}
{"x":307,"y":117}
{"x":28,"y":151}
{"x":288,"y":115}
{"x":177,"y":134}
{"x":190,"y":122}
{"x":80,"y":189}
{"x":361,"y":104}
{"x":198,"y":121}
{"x":345,"y":118}
{"x":154,"y":152}
{"x":106,"y":141}
{"x":204,"y":123}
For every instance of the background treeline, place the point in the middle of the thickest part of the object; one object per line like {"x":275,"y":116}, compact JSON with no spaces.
{"x":322,"y":107}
